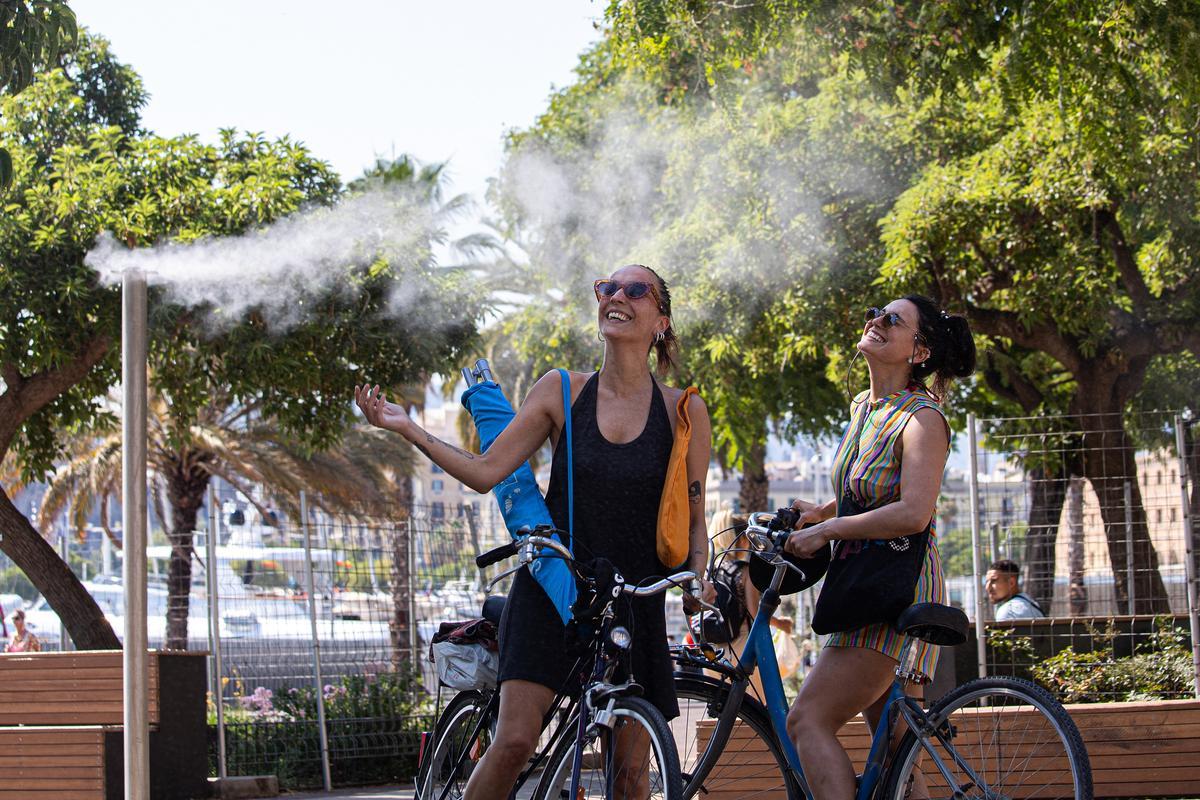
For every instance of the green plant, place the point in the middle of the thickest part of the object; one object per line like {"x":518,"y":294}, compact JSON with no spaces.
{"x":1159,"y":669}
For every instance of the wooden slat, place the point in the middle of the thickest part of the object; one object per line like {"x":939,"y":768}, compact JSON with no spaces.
{"x":72,"y":688}
{"x":1138,"y":749}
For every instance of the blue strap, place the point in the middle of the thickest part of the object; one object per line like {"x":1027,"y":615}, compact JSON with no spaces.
{"x":566,"y":390}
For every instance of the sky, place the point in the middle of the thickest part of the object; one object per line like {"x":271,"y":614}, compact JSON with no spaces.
{"x":442,"y":79}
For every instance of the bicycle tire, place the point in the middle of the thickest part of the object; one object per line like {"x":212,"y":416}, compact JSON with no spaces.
{"x":662,"y":777}
{"x":752,"y":760}
{"x":437,"y":769}
{"x":1012,"y":733}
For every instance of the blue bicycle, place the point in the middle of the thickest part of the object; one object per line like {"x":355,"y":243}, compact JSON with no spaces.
{"x":992,"y":738}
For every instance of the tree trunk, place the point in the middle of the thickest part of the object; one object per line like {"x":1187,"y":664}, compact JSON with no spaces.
{"x":1109,"y":465}
{"x":1077,"y":593}
{"x":84,"y":621}
{"x":752,"y":496}
{"x":401,"y":624}
{"x":1047,"y":493}
{"x":187,"y":481}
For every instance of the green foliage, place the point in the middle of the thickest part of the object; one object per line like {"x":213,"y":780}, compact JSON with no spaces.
{"x":1160,"y":669}
{"x":33,"y":35}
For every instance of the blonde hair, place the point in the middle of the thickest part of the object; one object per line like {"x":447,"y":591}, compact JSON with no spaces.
{"x":724,"y":530}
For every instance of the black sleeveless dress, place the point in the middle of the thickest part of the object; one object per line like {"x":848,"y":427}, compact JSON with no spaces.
{"x":617,"y":491}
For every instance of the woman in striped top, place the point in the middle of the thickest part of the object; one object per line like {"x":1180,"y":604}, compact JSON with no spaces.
{"x":890,"y":460}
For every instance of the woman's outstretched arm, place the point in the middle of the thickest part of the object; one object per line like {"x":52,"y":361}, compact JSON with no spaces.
{"x":533,"y":424}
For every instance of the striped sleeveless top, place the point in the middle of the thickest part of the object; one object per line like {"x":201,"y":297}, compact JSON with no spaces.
{"x":872,"y":475}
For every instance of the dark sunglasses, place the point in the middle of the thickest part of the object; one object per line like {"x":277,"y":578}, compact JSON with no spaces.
{"x":888,"y":319}
{"x":633,"y":290}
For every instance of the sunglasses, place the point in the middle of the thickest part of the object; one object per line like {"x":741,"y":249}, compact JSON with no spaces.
{"x":633,"y":290}
{"x":888,"y":319}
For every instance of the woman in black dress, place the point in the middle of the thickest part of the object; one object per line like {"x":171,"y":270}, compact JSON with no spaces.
{"x":623,"y":421}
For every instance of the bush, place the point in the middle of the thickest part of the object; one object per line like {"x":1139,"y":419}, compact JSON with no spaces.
{"x":373,"y":724}
{"x":1159,"y":669}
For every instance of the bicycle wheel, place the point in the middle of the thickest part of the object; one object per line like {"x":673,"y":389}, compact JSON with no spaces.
{"x":642,"y":765}
{"x":460,"y":739}
{"x":752,"y":761}
{"x":999,"y":739}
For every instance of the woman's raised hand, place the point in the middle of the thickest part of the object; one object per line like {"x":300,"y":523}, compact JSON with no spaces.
{"x":378,"y":411}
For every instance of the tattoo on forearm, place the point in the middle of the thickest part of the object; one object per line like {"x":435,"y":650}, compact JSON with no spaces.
{"x":694,"y":492}
{"x":429,"y":437}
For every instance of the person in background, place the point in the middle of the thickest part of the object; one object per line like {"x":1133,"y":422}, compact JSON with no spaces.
{"x":1003,"y":587}
{"x":23,"y":640}
{"x":726,"y":530}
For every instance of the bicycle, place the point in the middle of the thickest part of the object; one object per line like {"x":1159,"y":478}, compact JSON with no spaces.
{"x":993,"y":738}
{"x":576,"y":756}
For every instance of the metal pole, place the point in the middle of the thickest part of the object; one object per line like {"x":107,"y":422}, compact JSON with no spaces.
{"x":134,"y":513}
{"x":318,"y":682}
{"x":1190,"y":553}
{"x":995,"y":540}
{"x":1129,"y":548}
{"x":64,"y":639}
{"x":410,"y":550}
{"x":976,"y":566}
{"x":214,"y":627}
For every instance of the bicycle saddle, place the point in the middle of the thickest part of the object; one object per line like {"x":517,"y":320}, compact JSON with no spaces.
{"x":934,"y":623}
{"x":493,"y":608}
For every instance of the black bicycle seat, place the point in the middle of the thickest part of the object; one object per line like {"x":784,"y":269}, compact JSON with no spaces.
{"x":934,"y":623}
{"x":493,"y":608}
{"x":814,"y":568}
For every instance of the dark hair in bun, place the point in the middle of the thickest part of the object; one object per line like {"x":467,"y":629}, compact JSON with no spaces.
{"x":951,"y":346}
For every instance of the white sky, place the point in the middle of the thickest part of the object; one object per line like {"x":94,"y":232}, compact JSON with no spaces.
{"x":442,"y":79}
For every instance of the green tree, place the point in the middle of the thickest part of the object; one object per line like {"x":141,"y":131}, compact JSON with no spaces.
{"x":33,"y":35}
{"x":76,"y":178}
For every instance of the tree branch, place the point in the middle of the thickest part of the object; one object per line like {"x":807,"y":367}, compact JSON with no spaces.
{"x":1040,"y":336}
{"x":1131,"y":276}
{"x":25,"y":396}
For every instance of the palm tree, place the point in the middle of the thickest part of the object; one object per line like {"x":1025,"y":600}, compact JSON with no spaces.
{"x":364,"y":476}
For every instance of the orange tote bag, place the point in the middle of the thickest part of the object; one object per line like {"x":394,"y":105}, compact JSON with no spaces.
{"x":674,"y":516}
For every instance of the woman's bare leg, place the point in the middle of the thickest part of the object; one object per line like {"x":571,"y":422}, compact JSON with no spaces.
{"x":918,"y":790}
{"x":523,"y":704}
{"x":844,"y":682}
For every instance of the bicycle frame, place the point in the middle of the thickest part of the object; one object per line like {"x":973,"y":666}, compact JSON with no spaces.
{"x":760,"y":653}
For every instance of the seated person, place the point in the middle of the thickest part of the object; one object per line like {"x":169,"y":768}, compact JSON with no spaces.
{"x":1003,"y":589}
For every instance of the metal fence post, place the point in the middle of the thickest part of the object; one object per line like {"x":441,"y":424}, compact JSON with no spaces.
{"x":64,"y":550}
{"x":1129,"y":548}
{"x":413,"y":641}
{"x":214,"y":627}
{"x":1189,"y":555}
{"x":976,"y":566}
{"x":318,"y":683}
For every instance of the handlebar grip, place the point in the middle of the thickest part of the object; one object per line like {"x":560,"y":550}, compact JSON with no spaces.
{"x":499,"y":554}
{"x":785,"y":520}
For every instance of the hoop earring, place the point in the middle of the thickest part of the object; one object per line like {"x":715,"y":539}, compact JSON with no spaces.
{"x":599,"y":336}
{"x":658,"y":337}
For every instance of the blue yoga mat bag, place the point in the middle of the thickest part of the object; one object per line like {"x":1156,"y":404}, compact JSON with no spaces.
{"x":521,"y":502}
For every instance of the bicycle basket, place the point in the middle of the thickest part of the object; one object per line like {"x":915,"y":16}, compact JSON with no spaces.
{"x":465,"y":654}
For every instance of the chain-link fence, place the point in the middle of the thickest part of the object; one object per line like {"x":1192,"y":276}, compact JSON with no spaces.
{"x":332,"y":620}
{"x":1096,"y":514}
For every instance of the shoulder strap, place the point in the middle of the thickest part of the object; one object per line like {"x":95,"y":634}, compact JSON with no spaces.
{"x":566,"y":392}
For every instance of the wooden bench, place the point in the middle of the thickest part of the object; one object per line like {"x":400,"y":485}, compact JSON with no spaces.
{"x":61,"y":717}
{"x":1142,"y":749}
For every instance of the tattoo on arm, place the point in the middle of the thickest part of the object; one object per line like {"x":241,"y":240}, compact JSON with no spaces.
{"x":429,"y":437}
{"x":423,"y":449}
{"x":694,"y":492}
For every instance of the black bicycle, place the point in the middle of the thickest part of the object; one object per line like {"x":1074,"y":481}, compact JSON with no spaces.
{"x":602,"y":741}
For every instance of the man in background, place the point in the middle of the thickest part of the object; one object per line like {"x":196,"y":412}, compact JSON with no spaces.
{"x":1004,"y":590}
